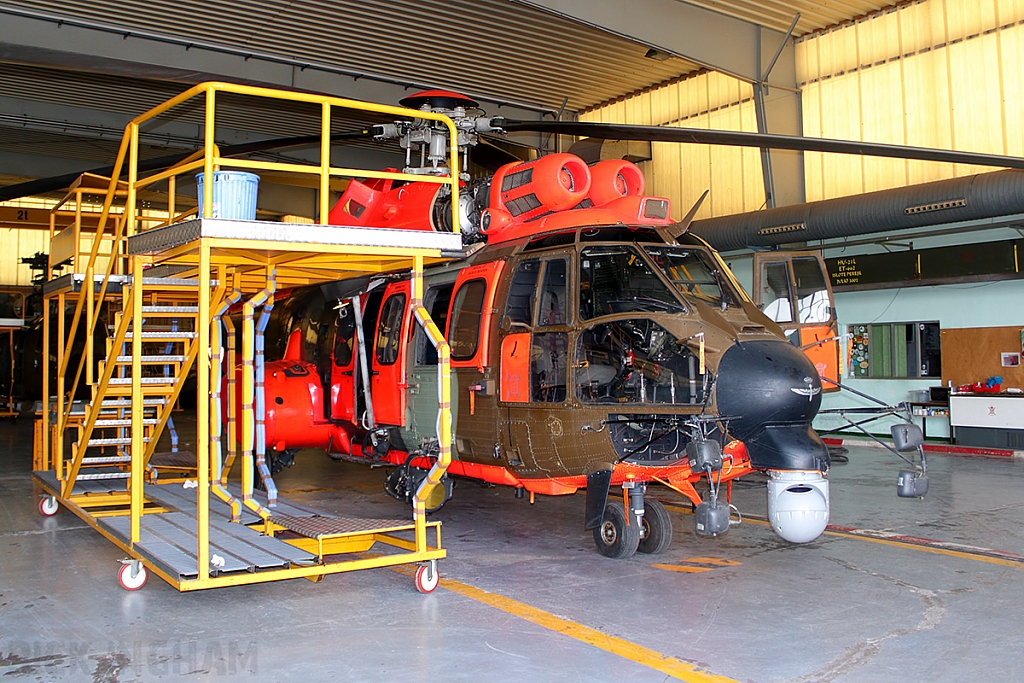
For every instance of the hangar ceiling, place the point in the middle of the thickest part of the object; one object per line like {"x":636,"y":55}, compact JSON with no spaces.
{"x":71,"y":79}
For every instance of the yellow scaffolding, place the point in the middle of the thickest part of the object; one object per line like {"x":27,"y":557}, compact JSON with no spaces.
{"x":191,"y":270}
{"x":12,"y":320}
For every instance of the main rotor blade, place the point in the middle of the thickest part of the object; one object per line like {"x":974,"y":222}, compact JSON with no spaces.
{"x":60,"y":182}
{"x":615,"y":131}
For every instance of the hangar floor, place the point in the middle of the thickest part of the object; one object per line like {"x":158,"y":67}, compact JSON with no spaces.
{"x":525,"y":597}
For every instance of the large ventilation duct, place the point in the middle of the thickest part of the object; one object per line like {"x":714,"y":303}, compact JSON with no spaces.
{"x":945,"y":201}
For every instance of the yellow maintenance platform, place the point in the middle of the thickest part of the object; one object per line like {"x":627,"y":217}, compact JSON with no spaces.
{"x":158,"y":289}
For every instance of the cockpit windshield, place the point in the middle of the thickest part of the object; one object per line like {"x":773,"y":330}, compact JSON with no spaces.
{"x":617,"y":279}
{"x":694,"y":274}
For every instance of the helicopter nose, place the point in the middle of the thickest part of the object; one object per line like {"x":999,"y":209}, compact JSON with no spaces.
{"x":771,"y":392}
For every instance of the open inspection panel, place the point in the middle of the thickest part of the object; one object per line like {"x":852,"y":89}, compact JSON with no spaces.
{"x":171,"y":288}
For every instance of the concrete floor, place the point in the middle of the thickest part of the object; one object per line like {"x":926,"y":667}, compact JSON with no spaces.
{"x":525,"y":597}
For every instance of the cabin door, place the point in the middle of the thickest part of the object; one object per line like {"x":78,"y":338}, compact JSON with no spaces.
{"x":793,"y":289}
{"x":344,"y":364}
{"x":535,"y":385}
{"x":422,"y":362}
{"x":388,"y":383}
{"x":470,"y":318}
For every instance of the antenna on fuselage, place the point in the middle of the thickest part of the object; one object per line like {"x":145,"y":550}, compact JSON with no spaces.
{"x":682,"y":226}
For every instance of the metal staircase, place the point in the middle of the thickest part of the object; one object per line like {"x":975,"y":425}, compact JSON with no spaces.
{"x":168,"y":337}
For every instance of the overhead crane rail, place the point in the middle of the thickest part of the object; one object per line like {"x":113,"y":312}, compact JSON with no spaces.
{"x":159,"y":296}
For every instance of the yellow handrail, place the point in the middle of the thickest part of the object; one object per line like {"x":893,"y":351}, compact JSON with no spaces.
{"x":209,"y":160}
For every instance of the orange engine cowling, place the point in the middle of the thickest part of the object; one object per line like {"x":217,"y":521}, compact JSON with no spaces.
{"x":613,"y":179}
{"x":381,"y":203}
{"x":534,"y":188}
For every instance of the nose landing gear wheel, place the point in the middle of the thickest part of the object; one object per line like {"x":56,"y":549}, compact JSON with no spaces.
{"x":48,"y":506}
{"x":613,"y":538}
{"x":129,"y":582}
{"x":656,"y":534}
{"x":427,"y":578}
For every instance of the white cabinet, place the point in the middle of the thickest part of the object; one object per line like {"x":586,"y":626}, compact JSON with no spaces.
{"x":992,"y":411}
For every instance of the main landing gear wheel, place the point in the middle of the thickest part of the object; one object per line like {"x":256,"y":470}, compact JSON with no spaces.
{"x":427,"y":577}
{"x":613,"y":537}
{"x":48,"y":506}
{"x":656,"y":530}
{"x":129,"y":582}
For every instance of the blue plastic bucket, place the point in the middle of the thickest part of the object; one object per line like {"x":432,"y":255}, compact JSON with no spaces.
{"x":234,"y":195}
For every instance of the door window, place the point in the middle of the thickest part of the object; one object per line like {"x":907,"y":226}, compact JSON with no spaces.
{"x":775,"y":292}
{"x":553,"y":304}
{"x":522,"y":291}
{"x":811,"y":290}
{"x":466,"y":316}
{"x":389,"y":334}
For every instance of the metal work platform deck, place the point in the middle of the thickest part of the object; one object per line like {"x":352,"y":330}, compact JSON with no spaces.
{"x":176,"y":497}
{"x":47,"y":479}
{"x":161,"y":239}
{"x":169,"y":540}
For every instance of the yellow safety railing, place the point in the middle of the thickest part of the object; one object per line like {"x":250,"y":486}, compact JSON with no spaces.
{"x":209,"y":160}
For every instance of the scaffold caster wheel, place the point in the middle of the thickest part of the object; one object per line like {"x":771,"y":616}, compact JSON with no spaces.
{"x":427,"y":577}
{"x":48,"y":506}
{"x":129,"y":582}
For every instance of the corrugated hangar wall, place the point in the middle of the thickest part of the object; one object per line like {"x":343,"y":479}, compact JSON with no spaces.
{"x":683,"y":172}
{"x":935,"y":73}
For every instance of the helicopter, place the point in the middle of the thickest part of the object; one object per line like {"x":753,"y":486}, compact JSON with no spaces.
{"x":595,"y":344}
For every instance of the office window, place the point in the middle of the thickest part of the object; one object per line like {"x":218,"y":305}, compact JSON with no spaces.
{"x":895,"y":350}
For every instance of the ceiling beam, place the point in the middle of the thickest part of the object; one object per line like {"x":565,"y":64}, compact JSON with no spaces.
{"x":713,"y":40}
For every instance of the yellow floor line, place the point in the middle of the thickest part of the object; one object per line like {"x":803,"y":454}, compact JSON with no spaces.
{"x":926,"y":549}
{"x":682,"y":568}
{"x":618,"y":646}
{"x":899,"y":544}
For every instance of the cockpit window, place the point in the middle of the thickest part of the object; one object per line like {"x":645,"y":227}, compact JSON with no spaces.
{"x":617,"y":279}
{"x":694,"y":274}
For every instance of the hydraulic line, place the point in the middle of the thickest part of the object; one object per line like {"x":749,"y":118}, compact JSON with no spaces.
{"x":232,"y":392}
{"x":248,"y":392}
{"x":261,"y":404}
{"x":444,"y":415}
{"x":216,"y":410}
{"x":168,"y":350}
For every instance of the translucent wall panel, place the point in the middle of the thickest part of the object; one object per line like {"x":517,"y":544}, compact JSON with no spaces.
{"x":14,"y":244}
{"x":936,"y":73}
{"x":683,"y":172}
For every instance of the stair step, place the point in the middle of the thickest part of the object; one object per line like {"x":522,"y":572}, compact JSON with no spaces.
{"x":106,"y":460}
{"x":126,"y":381}
{"x":127,"y":402}
{"x":162,"y":336}
{"x":104,"y":475}
{"x":153,"y":359}
{"x":170,"y":310}
{"x":147,"y":389}
{"x":105,"y":422}
{"x":117,"y":441}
